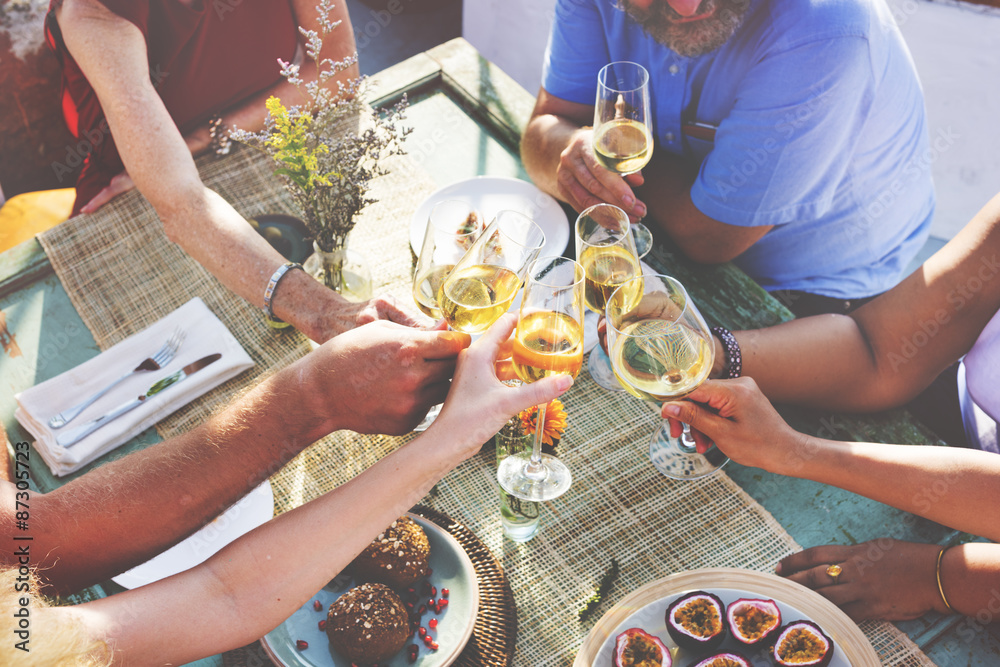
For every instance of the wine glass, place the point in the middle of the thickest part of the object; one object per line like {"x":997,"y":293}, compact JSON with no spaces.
{"x":548,"y":341}
{"x":661,"y":349}
{"x":606,"y":250}
{"x":623,"y":127}
{"x":486,"y":279}
{"x":452,"y":228}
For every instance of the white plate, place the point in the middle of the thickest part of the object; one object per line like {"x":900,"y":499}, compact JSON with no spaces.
{"x":646,"y":609}
{"x":254,"y":509}
{"x":452,"y":569}
{"x":489,"y":194}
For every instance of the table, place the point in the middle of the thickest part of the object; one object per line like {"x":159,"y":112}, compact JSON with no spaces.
{"x":467,"y":117}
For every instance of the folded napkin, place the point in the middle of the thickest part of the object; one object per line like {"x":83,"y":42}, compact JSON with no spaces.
{"x":204,"y":335}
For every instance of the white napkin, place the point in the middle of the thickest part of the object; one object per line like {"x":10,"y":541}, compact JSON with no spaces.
{"x":205,"y":335}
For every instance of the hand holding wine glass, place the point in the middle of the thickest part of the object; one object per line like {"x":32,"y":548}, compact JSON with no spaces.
{"x":661,"y":350}
{"x":548,"y":341}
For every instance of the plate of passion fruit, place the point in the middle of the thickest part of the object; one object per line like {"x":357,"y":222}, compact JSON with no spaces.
{"x":725,"y":617}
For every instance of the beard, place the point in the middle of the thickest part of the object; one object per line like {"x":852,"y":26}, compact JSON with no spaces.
{"x":692,"y":39}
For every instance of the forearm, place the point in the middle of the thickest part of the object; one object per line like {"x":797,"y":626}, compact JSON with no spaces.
{"x":127,"y":511}
{"x":324,"y":536}
{"x":954,"y":487}
{"x":544,"y":140}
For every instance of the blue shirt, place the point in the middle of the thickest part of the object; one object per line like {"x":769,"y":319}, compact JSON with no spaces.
{"x":821,"y":132}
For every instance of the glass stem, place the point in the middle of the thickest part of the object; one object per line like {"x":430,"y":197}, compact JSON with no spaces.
{"x":535,"y":469}
{"x":687,"y":440}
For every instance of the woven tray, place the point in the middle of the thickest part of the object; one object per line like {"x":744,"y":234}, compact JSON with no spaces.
{"x":492,"y":642}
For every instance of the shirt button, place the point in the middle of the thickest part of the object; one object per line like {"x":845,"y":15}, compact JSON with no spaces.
{"x":669,"y":136}
{"x":673,"y":69}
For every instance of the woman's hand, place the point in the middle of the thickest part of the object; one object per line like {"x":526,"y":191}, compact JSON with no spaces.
{"x":119,"y":184}
{"x":883,"y":579}
{"x":739,"y":419}
{"x":583,"y":182}
{"x":479,"y":404}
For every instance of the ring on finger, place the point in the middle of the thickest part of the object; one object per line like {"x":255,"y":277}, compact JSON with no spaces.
{"x":834,"y":572}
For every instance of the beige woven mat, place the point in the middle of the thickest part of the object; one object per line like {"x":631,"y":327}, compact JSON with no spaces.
{"x":122,"y":273}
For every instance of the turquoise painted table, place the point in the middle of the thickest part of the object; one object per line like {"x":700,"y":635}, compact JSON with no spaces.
{"x":467,"y":118}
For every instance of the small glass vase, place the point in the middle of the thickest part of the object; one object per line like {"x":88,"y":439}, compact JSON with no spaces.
{"x":342,"y":270}
{"x":520,"y":518}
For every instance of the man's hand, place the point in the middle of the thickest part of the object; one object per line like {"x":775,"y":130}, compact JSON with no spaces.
{"x":883,"y":579}
{"x":739,"y":419}
{"x":583,"y":182}
{"x":381,"y":377}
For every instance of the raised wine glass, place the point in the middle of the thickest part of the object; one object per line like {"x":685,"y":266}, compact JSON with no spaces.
{"x":548,"y":341}
{"x":623,"y":127}
{"x":606,"y":250}
{"x":486,"y":279}
{"x":452,"y":228}
{"x":661,"y":349}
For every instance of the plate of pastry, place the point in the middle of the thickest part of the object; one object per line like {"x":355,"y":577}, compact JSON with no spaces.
{"x":410,"y":598}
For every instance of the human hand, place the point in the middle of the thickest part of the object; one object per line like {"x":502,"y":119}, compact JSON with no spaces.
{"x":381,"y":377}
{"x":479,"y":404}
{"x":119,"y":184}
{"x":883,"y":579}
{"x":583,"y":182}
{"x":740,"y":420}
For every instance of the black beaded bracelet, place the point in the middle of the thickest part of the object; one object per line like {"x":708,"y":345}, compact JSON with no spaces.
{"x":734,"y":358}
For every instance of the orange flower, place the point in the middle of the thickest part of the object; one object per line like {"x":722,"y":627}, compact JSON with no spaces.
{"x":555,"y":421}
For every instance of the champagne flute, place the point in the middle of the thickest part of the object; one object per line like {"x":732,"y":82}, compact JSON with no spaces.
{"x":452,"y":228}
{"x":661,"y":350}
{"x":486,"y":279}
{"x":606,"y":250}
{"x":548,"y":341}
{"x":623,"y":127}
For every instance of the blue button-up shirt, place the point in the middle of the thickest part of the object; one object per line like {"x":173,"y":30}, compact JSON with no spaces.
{"x":821,"y":132}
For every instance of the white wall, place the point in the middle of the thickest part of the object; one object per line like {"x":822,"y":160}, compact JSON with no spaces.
{"x":956,"y":47}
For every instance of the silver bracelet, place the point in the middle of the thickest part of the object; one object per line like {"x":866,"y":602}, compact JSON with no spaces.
{"x":269,"y":316}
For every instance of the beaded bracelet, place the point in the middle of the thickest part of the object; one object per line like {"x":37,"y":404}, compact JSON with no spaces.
{"x":269,"y":316}
{"x":937,"y":573}
{"x":734,"y":358}
{"x":218,"y":137}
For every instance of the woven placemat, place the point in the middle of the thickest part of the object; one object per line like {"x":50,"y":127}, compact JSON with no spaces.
{"x":492,"y":641}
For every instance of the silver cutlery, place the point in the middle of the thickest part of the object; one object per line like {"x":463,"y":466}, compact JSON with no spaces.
{"x":73,"y":436}
{"x":158,"y":360}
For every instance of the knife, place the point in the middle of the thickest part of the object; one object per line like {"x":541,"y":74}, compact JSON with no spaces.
{"x":74,"y":436}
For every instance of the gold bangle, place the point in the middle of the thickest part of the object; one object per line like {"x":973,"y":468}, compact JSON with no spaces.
{"x":938,"y":575}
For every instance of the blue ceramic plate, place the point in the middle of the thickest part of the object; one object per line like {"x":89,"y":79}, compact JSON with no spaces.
{"x":452,"y":569}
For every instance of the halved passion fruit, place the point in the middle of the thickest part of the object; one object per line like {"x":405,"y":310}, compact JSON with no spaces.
{"x":753,"y":620}
{"x":638,"y":648}
{"x":725,"y":660}
{"x":697,"y":621}
{"x":802,"y":643}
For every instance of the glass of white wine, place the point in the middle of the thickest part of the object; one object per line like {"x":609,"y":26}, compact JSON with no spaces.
{"x":623,"y":126}
{"x":548,"y":341}
{"x":486,"y":279}
{"x":606,"y":250}
{"x":452,"y":227}
{"x":661,"y":350}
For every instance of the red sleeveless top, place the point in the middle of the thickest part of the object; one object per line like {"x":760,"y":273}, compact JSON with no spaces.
{"x":202,"y":60}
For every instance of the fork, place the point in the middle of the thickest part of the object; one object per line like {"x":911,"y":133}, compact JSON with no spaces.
{"x":161,"y":358}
